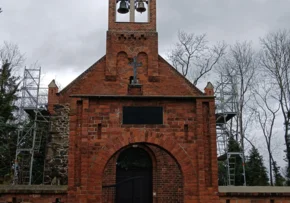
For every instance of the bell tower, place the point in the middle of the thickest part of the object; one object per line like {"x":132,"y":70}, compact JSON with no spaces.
{"x":131,"y":39}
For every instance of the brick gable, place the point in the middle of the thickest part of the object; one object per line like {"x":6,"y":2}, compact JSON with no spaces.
{"x":93,"y":82}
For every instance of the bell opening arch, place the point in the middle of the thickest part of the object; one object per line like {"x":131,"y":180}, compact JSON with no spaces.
{"x":133,"y":11}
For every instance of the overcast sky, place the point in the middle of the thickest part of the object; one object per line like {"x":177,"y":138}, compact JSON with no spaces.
{"x":68,"y":36}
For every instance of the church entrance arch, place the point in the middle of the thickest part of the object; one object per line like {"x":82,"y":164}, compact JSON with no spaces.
{"x":134,"y":176}
{"x":142,"y":170}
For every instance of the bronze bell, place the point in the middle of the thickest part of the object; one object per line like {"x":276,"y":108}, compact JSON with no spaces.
{"x":123,"y":9}
{"x":140,"y":6}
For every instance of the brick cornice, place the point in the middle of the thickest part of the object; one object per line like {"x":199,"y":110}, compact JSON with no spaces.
{"x":143,"y":97}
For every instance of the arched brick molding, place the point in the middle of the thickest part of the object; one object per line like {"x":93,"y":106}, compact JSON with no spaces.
{"x":143,"y":71}
{"x":109,"y":173}
{"x":122,"y":63}
{"x":114,"y":143}
{"x":167,"y":180}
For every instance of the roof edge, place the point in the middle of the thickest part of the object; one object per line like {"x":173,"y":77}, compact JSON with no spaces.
{"x":189,"y":97}
{"x":81,"y":75}
{"x":180,"y":75}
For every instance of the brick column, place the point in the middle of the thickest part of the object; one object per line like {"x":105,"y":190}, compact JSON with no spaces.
{"x":52,"y":96}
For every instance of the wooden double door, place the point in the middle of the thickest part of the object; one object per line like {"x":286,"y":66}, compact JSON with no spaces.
{"x":134,"y":177}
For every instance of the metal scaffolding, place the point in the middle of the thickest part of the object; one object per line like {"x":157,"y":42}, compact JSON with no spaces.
{"x":226,"y":110}
{"x":33,"y":116}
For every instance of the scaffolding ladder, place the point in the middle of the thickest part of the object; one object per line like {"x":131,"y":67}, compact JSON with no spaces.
{"x":33,"y":105}
{"x":226,"y":97}
{"x":226,"y":102}
{"x":231,"y":167}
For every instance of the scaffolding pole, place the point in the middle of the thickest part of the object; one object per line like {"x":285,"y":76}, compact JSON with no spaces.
{"x":32,"y":112}
{"x":226,"y":98}
{"x":226,"y":102}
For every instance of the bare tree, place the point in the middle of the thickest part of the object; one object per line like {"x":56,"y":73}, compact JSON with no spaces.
{"x":239,"y":67}
{"x":0,"y":10}
{"x":275,"y":61}
{"x":266,"y":113}
{"x":11,"y":54}
{"x":193,"y":57}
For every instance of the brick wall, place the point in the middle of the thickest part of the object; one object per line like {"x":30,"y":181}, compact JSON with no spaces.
{"x":50,"y":194}
{"x":254,"y":194}
{"x":32,"y":194}
{"x":97,"y":134}
{"x":168,"y":181}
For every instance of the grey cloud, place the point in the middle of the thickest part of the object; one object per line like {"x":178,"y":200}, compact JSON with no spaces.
{"x":72,"y":33}
{"x":228,"y":20}
{"x":72,"y":50}
{"x":62,"y":33}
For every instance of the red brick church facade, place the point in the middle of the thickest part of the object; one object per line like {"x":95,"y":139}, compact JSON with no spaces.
{"x":144,"y":139}
{"x":181,"y":148}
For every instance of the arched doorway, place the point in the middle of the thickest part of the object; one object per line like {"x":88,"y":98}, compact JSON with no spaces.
{"x":134,"y":176}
